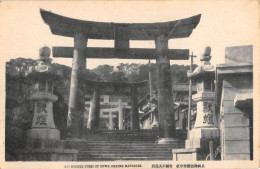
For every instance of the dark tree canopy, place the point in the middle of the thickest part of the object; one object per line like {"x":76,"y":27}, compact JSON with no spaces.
{"x":19,"y":108}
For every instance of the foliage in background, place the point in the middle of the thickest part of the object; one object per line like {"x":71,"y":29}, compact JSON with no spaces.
{"x":19,"y":108}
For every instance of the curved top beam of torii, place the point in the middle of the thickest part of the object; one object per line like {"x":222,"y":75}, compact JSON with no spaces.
{"x":65,"y":26}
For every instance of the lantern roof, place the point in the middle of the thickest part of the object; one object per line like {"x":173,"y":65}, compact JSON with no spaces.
{"x":43,"y":70}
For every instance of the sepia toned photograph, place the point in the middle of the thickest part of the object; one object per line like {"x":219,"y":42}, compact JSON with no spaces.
{"x":127,"y":84}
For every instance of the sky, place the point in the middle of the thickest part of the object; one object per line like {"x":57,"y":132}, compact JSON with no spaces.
{"x":222,"y":24}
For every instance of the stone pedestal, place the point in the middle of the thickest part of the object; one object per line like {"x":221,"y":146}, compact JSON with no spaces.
{"x":42,"y":133}
{"x":204,"y":131}
{"x":189,"y":154}
{"x":48,"y":154}
{"x":205,"y":128}
{"x":200,"y":138}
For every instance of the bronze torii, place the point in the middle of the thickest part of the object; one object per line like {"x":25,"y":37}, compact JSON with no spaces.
{"x":122,"y":33}
{"x":99,"y":86}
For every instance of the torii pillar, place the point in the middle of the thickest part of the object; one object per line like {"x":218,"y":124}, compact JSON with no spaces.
{"x":94,"y":111}
{"x":76,"y":98}
{"x":165,"y":99}
{"x":120,"y":115}
{"x":134,"y":106}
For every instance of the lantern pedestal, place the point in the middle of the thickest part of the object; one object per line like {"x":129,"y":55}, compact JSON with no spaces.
{"x":205,"y":128}
{"x":200,"y":138}
{"x":53,"y":134}
{"x":204,"y":131}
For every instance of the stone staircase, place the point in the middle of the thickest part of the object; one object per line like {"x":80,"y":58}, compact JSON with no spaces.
{"x":114,"y":145}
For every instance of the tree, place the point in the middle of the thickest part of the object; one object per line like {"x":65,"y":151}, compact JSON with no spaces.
{"x":118,"y":76}
{"x":19,"y":108}
{"x":104,"y":72}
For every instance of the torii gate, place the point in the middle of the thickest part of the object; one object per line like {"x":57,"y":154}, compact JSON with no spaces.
{"x":121,"y":33}
{"x":95,"y":108}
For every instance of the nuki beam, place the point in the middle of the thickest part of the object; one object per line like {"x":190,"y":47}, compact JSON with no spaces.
{"x":111,"y":53}
{"x":99,"y":84}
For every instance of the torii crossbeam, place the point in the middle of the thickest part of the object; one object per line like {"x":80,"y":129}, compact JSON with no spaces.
{"x":121,"y":33}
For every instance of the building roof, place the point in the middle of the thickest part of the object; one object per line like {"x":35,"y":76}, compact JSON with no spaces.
{"x":228,"y":70}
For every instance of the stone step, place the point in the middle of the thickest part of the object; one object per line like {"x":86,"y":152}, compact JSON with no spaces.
{"x":121,"y":140}
{"x":127,"y":147}
{"x":122,"y":155}
{"x":159,"y":158}
{"x":127,"y":131}
{"x":123,"y":148}
{"x":123,"y":152}
{"x":137,"y":132}
{"x":114,"y":139}
{"x":130,"y":144}
{"x":118,"y":150}
{"x":115,"y":155}
{"x":117,"y":137}
{"x":123,"y":145}
{"x":138,"y":153}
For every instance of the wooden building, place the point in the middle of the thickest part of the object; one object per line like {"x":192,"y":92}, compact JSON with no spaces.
{"x":148,"y":107}
{"x":181,"y":102}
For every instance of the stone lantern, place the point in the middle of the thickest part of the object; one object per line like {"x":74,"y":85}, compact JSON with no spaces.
{"x":205,"y":127}
{"x":43,"y":126}
{"x":43,"y":139}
